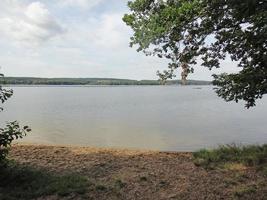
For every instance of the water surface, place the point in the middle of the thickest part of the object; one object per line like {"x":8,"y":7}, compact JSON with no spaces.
{"x":143,"y":117}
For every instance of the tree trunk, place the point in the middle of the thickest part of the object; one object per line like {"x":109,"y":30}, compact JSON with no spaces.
{"x":184,"y":74}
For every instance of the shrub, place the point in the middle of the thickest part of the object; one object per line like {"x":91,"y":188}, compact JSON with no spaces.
{"x":9,"y":133}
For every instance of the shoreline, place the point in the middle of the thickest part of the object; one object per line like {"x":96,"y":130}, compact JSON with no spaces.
{"x":76,"y":149}
{"x":111,"y":149}
{"x":47,"y":85}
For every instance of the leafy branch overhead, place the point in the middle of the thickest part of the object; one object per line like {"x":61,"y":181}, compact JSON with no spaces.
{"x":206,"y":32}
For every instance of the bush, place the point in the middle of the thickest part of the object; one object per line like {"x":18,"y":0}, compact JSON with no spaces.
{"x":11,"y":132}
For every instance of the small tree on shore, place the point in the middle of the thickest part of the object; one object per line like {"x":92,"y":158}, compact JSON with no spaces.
{"x":11,"y":131}
{"x":206,"y":32}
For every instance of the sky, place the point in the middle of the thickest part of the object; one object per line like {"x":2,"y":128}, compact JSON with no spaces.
{"x":76,"y":38}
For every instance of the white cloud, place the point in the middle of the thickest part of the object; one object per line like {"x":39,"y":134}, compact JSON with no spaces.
{"x":85,"y":4}
{"x":32,"y":24}
{"x":103,"y":33}
{"x":110,"y":32}
{"x":95,"y":45}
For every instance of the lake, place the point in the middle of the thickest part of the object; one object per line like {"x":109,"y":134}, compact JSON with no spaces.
{"x":144,"y":117}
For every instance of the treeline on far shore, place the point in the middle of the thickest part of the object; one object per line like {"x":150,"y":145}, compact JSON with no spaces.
{"x":89,"y":81}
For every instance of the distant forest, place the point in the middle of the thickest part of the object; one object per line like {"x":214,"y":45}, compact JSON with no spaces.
{"x":89,"y":81}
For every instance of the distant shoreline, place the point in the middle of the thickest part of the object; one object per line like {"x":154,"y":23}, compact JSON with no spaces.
{"x":92,"y":81}
{"x":23,"y":85}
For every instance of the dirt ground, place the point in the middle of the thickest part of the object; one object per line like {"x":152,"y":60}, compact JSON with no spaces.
{"x":129,"y":174}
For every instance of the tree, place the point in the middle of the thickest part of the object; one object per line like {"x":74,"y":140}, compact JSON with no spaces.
{"x":12,"y":130}
{"x":206,"y":32}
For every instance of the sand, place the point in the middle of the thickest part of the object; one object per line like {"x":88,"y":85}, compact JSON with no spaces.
{"x":132,"y":174}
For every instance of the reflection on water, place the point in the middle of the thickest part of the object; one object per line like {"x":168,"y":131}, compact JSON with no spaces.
{"x":145,"y":117}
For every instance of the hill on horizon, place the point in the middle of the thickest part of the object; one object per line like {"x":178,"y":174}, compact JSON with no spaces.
{"x":90,"y":81}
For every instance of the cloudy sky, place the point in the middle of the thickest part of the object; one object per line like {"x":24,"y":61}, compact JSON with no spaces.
{"x":75,"y":38}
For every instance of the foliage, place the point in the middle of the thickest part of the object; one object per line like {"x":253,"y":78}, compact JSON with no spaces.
{"x":206,"y":32}
{"x":24,"y":182}
{"x":248,"y":155}
{"x":11,"y":131}
{"x":4,"y":94}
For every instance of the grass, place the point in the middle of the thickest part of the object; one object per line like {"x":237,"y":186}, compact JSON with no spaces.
{"x":100,"y":187}
{"x":143,"y":178}
{"x":236,"y":159}
{"x":264,"y":170}
{"x":119,"y":184}
{"x":22,"y":182}
{"x":230,"y":155}
{"x":245,"y":190}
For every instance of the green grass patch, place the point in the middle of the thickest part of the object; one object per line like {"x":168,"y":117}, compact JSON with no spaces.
{"x":143,"y":178}
{"x":240,"y":192}
{"x":119,"y":184}
{"x":23,"y":182}
{"x":252,"y":155}
{"x":100,"y":187}
{"x":264,"y":170}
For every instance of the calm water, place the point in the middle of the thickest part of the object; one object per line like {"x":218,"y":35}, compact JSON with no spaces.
{"x":149,"y":117}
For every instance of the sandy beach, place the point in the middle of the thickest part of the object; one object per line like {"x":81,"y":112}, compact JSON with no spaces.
{"x":132,"y":174}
